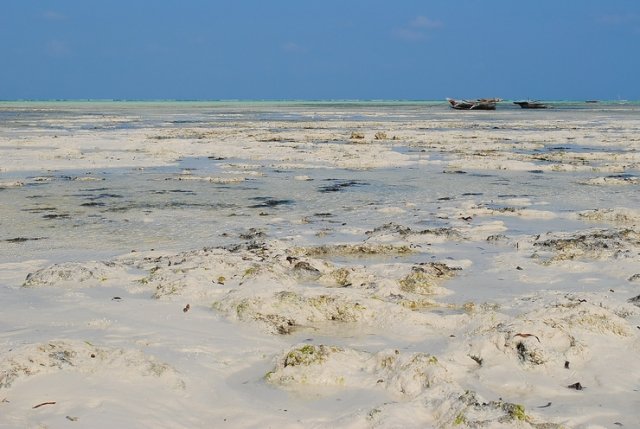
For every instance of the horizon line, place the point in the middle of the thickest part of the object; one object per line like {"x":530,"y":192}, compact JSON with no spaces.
{"x":274,"y":100}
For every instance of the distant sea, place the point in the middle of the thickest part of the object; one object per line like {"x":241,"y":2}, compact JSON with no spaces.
{"x":159,"y":113}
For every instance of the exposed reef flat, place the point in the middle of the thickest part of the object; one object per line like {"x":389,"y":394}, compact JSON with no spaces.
{"x":317,"y":265}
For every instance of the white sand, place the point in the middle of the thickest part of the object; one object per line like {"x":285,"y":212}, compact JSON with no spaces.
{"x":253,"y":266}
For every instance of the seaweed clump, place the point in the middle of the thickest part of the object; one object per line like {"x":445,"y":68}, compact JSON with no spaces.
{"x":602,"y":244}
{"x":423,"y":279}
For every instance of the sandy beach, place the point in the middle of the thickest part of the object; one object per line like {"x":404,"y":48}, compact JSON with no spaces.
{"x":319,"y":265}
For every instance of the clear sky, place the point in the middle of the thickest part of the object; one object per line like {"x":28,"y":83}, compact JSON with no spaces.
{"x":319,"y":49}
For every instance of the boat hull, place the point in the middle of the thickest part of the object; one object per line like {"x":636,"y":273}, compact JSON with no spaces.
{"x":480,"y":104}
{"x":530,"y":104}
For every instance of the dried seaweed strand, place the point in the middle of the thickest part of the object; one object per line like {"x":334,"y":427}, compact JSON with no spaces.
{"x":44,"y":403}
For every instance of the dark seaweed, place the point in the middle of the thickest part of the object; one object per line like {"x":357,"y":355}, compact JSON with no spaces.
{"x":106,"y":195}
{"x":268,"y":202}
{"x":56,"y":216}
{"x":40,"y":209}
{"x":341,"y":185}
{"x":23,"y":239}
{"x":174,"y":191}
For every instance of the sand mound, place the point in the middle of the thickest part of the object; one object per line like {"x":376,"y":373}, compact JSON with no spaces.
{"x":84,"y":358}
{"x":417,"y":384}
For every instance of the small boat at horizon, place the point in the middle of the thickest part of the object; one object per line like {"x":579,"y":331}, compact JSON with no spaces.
{"x":531,"y":104}
{"x":479,"y":104}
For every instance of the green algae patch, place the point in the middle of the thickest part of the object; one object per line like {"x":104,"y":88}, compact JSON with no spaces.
{"x":516,"y":411}
{"x":251,"y":271}
{"x":460,"y":420}
{"x":307,"y":355}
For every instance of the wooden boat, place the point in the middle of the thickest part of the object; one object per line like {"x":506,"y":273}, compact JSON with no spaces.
{"x":531,"y":104}
{"x":479,"y":104}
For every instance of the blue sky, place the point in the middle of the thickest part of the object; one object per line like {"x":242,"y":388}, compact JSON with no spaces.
{"x":323,"y":49}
